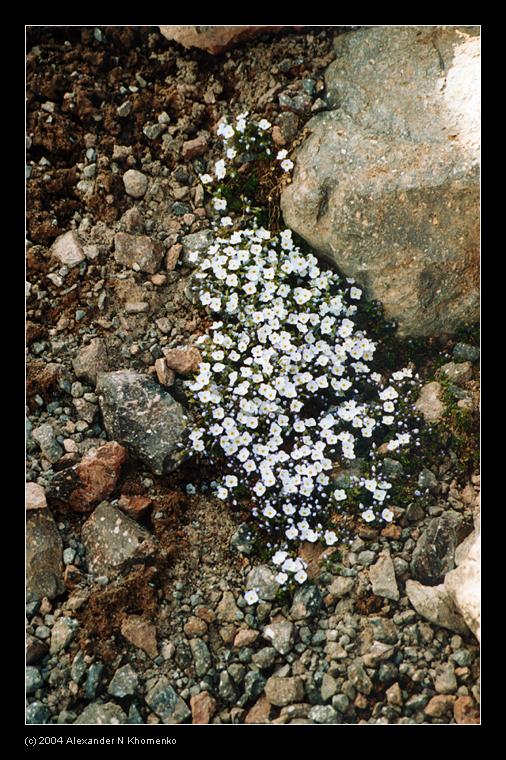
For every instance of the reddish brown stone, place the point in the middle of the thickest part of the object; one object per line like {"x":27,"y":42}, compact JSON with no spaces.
{"x":260,"y":712}
{"x":392,"y":531}
{"x":203,"y":707}
{"x":184,"y":360}
{"x":90,"y":481}
{"x":194,"y":148}
{"x":141,"y":634}
{"x":195,"y":626}
{"x":206,"y":614}
{"x":134,"y":506}
{"x":465,"y":710}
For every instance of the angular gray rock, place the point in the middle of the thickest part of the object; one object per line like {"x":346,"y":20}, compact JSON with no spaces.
{"x":382,"y":576}
{"x":196,"y":243}
{"x":281,"y":635}
{"x":107,"y":714}
{"x":112,"y":540}
{"x":463,"y":584}
{"x":44,"y":556}
{"x":434,"y":553}
{"x":263,"y":581}
{"x":307,"y":602}
{"x":144,"y":417}
{"x":387,"y":184}
{"x":435,"y":605}
{"x":91,"y":359}
{"x":46,"y":438}
{"x":166,"y":703}
{"x":124,"y":682}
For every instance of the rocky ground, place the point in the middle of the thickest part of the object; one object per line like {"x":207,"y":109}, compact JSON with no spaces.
{"x":135,"y":609}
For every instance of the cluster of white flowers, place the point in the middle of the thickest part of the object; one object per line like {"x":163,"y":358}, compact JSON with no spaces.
{"x":244,"y":138}
{"x":285,"y":390}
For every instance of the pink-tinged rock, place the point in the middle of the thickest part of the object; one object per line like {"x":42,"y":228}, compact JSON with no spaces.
{"x":90,"y":481}
{"x":165,"y":375}
{"x":203,"y":707}
{"x":68,"y":250}
{"x":260,"y":712}
{"x":91,"y":359}
{"x":465,"y":711}
{"x":141,"y":634}
{"x":138,"y":252}
{"x":35,"y":497}
{"x":173,"y":256}
{"x":216,"y":39}
{"x":245,"y":637}
{"x":430,"y":403}
{"x":441,"y":704}
{"x":184,"y":360}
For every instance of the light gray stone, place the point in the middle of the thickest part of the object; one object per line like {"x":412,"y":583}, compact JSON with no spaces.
{"x":68,"y":249}
{"x":387,"y":184}
{"x":382,"y":576}
{"x":435,"y":605}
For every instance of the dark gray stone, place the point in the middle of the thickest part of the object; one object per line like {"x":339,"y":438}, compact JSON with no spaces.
{"x":113,"y":541}
{"x":167,"y":703}
{"x":124,"y":683}
{"x":37,"y":713}
{"x":434,"y":554}
{"x":141,"y":415}
{"x":107,"y":714}
{"x":307,"y":602}
{"x":44,"y":556}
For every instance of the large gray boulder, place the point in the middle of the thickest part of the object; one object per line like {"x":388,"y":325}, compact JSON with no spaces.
{"x":387,"y":184}
{"x":141,"y":415}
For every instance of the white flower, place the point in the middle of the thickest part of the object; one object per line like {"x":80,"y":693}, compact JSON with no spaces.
{"x":300,"y":576}
{"x":287,"y":165}
{"x":282,"y":154}
{"x":339,"y":494}
{"x":205,"y":178}
{"x":231,"y":153}
{"x":226,"y":221}
{"x":281,"y":578}
{"x":264,"y":124}
{"x":368,"y":515}
{"x":330,"y":537}
{"x":355,"y":293}
{"x":220,"y":169}
{"x":220,"y":204}
{"x":251,"y":597}
{"x":387,"y":515}
{"x":222,"y":493}
{"x":225,"y":130}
